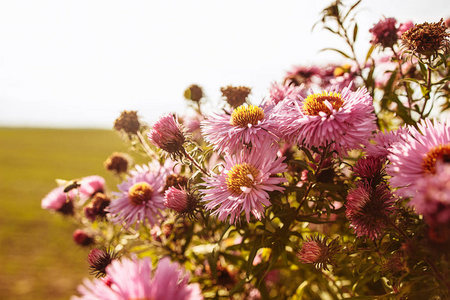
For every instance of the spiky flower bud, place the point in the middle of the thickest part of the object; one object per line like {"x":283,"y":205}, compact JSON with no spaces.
{"x":99,"y":259}
{"x":319,"y":252}
{"x":168,"y":135}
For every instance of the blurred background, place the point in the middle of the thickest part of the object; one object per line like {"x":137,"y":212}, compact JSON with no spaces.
{"x":68,"y":68}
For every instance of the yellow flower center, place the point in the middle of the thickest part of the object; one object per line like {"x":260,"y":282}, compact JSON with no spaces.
{"x":436,"y":154}
{"x":241,"y":177}
{"x":315,"y":103}
{"x":139,"y":193}
{"x":245,"y":115}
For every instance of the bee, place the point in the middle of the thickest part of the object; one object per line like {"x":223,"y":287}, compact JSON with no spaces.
{"x":72,"y":185}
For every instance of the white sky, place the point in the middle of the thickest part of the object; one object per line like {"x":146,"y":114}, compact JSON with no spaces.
{"x":80,"y":63}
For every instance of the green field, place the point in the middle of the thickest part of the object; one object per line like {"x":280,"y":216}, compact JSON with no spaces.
{"x":38,"y":257}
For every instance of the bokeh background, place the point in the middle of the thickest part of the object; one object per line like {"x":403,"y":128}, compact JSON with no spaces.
{"x":68,"y":68}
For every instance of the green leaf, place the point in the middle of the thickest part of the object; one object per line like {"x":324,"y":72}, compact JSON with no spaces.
{"x":369,"y":53}
{"x":251,"y":256}
{"x":338,"y":51}
{"x":355,"y":32}
{"x":238,"y":286}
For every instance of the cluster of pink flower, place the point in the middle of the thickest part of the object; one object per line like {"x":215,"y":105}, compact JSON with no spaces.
{"x":254,"y":148}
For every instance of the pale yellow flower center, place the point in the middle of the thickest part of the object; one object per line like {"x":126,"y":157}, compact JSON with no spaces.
{"x":139,"y":193}
{"x":245,"y":115}
{"x":315,"y":103}
{"x":241,"y":177}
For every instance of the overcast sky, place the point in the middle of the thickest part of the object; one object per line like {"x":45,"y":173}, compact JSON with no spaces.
{"x":80,"y":63}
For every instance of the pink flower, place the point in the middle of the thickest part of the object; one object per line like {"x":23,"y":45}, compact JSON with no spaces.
{"x":384,"y":33}
{"x":278,"y":92}
{"x":168,"y":135}
{"x":411,"y":160}
{"x":433,"y":196}
{"x":180,"y":200}
{"x":244,"y":183}
{"x":370,"y":168}
{"x":246,"y":126}
{"x":301,"y":75}
{"x":89,"y":186}
{"x":132,"y":279}
{"x":384,"y":140}
{"x":319,"y":252}
{"x":58,"y":201}
{"x":345,"y":119}
{"x":404,"y":27}
{"x":140,"y":199}
{"x":368,"y":209}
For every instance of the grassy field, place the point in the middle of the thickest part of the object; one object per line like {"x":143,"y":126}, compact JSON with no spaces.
{"x":38,"y":257}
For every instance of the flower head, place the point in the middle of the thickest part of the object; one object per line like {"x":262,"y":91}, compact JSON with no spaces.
{"x":58,"y":201}
{"x":133,"y":279}
{"x":345,"y":119}
{"x":384,"y":33}
{"x":433,"y":196}
{"x":88,"y":187}
{"x":427,"y":39}
{"x":235,"y":95}
{"x":368,"y":209}
{"x":140,"y":199}
{"x":128,"y":122}
{"x":117,"y":163}
{"x":82,"y":238}
{"x":411,"y":160}
{"x":246,"y":126}
{"x":370,"y":168}
{"x":383,"y":141}
{"x":99,"y":259}
{"x":244,"y":183}
{"x":181,"y":200}
{"x":194,"y":93}
{"x":319,"y":252}
{"x":168,"y":135}
{"x":301,"y":75}
{"x":97,"y":207}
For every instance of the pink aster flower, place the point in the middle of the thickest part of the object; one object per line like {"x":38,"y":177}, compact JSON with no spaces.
{"x":140,"y":199}
{"x":132,"y":279}
{"x":384,"y":33}
{"x":411,"y":160}
{"x":433,"y":196}
{"x":168,"y":135}
{"x":345,"y":119}
{"x":58,"y":201}
{"x":368,"y":209}
{"x":244,"y":183}
{"x":278,"y":92}
{"x":247,"y":125}
{"x":89,"y":186}
{"x":384,"y":140}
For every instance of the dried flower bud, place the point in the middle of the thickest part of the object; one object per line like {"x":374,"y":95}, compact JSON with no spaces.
{"x":128,"y":122}
{"x":168,"y":135}
{"x":427,"y":39}
{"x":194,"y":93}
{"x":319,"y":252}
{"x":117,"y":163}
{"x":235,"y":96}
{"x":82,"y":238}
{"x":370,"y":168}
{"x":99,"y":259}
{"x":97,"y":207}
{"x":175,"y":180}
